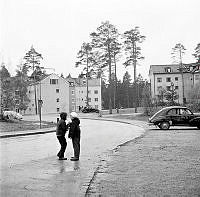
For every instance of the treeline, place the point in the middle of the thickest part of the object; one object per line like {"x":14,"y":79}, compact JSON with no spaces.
{"x":14,"y":88}
{"x":127,"y":94}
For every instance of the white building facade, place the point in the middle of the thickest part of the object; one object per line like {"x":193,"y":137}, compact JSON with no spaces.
{"x":54,"y":93}
{"x":60,"y":94}
{"x":169,"y":76}
{"x":79,"y":93}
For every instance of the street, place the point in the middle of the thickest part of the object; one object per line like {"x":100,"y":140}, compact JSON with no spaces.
{"x":29,"y":165}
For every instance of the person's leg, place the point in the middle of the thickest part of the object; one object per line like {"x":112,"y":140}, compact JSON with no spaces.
{"x":63,"y":144}
{"x":60,"y":141}
{"x":76,"y":146}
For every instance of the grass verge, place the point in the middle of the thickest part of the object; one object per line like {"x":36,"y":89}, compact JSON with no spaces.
{"x":24,"y":125}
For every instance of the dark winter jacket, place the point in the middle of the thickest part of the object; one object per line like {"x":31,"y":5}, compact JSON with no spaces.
{"x":61,"y":128}
{"x":74,"y":128}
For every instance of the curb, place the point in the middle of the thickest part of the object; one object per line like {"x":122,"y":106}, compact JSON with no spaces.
{"x":51,"y":130}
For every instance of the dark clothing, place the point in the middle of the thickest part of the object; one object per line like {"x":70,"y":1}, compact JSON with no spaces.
{"x":60,"y":132}
{"x":63,"y":144}
{"x":75,"y":134}
{"x":61,"y":128}
{"x":76,"y":146}
{"x":74,"y":130}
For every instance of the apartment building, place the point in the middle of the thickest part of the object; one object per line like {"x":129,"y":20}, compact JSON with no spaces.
{"x":59,"y":94}
{"x":79,"y":93}
{"x":169,"y":76}
{"x":54,"y":93}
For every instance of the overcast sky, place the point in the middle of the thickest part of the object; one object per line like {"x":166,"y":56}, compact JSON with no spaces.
{"x":57,"y":28}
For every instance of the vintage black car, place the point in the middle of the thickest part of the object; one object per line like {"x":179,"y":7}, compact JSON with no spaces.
{"x":175,"y":116}
{"x":89,"y":110}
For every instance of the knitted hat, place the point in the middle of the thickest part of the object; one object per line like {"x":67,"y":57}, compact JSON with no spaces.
{"x":74,"y":114}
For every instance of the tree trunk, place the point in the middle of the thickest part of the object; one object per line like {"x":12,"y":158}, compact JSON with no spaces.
{"x":110,"y":85}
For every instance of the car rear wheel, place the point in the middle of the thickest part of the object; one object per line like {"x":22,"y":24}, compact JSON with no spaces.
{"x":164,"y":125}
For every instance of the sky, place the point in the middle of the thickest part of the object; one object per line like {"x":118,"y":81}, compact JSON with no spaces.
{"x":57,"y":29}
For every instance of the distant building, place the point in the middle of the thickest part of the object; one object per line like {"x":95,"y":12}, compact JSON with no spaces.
{"x":54,"y":93}
{"x":169,"y":76}
{"x":78,"y":93}
{"x":0,"y":98}
{"x":63,"y":94}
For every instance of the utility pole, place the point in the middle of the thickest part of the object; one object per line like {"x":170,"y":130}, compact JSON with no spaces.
{"x":87,"y":102}
{"x":172,"y":93}
{"x":40,"y":101}
{"x":181,"y":69}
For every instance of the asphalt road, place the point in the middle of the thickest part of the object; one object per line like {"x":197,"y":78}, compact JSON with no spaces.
{"x":29,"y":166}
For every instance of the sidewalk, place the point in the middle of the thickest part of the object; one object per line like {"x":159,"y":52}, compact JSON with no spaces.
{"x":159,"y":163}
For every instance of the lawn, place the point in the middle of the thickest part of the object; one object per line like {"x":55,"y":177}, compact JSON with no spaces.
{"x":24,"y":125}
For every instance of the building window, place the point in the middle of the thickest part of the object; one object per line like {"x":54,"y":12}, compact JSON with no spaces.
{"x":32,"y":105}
{"x":176,"y":87}
{"x":168,"y":88}
{"x":159,"y":79}
{"x":73,"y":108}
{"x":58,"y":109}
{"x":71,"y":83}
{"x":168,"y":70}
{"x":73,"y":100}
{"x":89,"y":99}
{"x":57,"y":90}
{"x":82,"y":99}
{"x":96,"y":106}
{"x":53,"y":81}
{"x":159,"y":88}
{"x":57,"y":100}
{"x":82,"y":91}
{"x":89,"y":91}
{"x":176,"y":78}
{"x":197,"y":77}
{"x":96,"y":91}
{"x":72,"y":92}
{"x":17,"y":101}
{"x":96,"y":99}
{"x":168,"y":79}
{"x":84,"y":82}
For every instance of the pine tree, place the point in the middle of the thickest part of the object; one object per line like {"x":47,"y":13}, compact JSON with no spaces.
{"x":104,"y":40}
{"x":197,"y":53}
{"x":32,"y":60}
{"x":177,"y":54}
{"x":7,"y":95}
{"x":133,"y":52}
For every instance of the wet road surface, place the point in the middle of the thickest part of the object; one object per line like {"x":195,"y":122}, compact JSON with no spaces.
{"x":29,"y":166}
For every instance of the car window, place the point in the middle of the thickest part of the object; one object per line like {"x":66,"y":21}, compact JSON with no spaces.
{"x":172,"y":112}
{"x":185,"y":112}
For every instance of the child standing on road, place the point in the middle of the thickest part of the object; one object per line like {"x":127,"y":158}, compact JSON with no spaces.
{"x":60,"y":133}
{"x":74,"y":134}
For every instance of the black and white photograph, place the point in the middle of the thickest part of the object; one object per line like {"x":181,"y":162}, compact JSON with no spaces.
{"x":99,"y":98}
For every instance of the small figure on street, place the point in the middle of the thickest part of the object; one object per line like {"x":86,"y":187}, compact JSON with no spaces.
{"x":61,"y":129}
{"x":74,"y":134}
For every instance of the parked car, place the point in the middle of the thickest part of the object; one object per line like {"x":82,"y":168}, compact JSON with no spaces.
{"x":175,"y":116}
{"x":12,"y":115}
{"x":89,"y":110}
